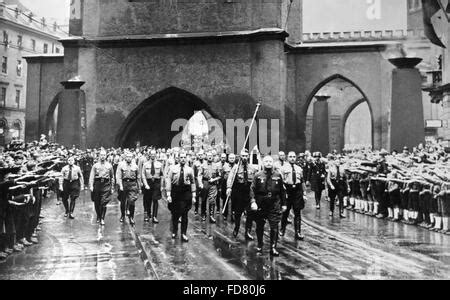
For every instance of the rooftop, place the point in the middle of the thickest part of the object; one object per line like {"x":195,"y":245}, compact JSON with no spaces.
{"x":14,"y":11}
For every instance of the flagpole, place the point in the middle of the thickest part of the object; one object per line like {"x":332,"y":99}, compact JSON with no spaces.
{"x":243,"y":148}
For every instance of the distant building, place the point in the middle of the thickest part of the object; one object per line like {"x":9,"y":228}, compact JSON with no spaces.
{"x":21,"y":33}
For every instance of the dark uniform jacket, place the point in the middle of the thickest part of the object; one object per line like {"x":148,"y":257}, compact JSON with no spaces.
{"x":316,"y":175}
{"x":268,"y":191}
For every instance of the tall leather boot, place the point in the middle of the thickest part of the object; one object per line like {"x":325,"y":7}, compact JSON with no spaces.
{"x":103,"y":216}
{"x":274,"y":242}
{"x":298,"y":229}
{"x":72,"y":208}
{"x":131,"y":217}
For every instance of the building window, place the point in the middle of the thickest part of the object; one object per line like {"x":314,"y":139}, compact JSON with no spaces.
{"x":19,"y":41}
{"x":45,"y":48}
{"x":3,"y":97}
{"x":19,"y":68}
{"x":33,"y":45}
{"x":5,"y":37}
{"x":4,"y":65}
{"x":57,"y":50}
{"x":18,"y":98}
{"x":414,"y":5}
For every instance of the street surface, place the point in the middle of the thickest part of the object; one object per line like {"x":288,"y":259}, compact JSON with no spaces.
{"x":359,"y":247}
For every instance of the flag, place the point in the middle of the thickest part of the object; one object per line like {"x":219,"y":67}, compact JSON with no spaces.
{"x":430,"y":8}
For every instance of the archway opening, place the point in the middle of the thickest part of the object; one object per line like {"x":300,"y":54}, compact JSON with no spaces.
{"x":166,"y":119}
{"x":338,"y":114}
{"x":358,"y":132}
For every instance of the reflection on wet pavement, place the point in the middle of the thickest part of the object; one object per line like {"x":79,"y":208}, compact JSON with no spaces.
{"x":359,"y":247}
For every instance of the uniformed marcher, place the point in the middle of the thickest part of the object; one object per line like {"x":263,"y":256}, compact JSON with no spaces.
{"x":71,"y":184}
{"x":316,"y":176}
{"x":209,"y":176}
{"x":268,"y":200}
{"x":128,"y":178}
{"x":101,"y":184}
{"x":200,"y":159}
{"x":239,"y":193}
{"x":295,"y":195}
{"x":181,"y":194}
{"x":336,"y":186}
{"x":228,"y":166}
{"x":152,"y":174}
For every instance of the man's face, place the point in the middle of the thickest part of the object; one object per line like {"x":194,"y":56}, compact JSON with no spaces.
{"x":129,"y":158}
{"x":71,"y":161}
{"x":153,"y":155}
{"x":223,"y":158}
{"x":210,"y":157}
{"x":182,"y":158}
{"x":232,"y":158}
{"x":244,"y":158}
{"x":282,"y":156}
{"x":292,"y":158}
{"x":268,"y":162}
{"x":102,"y":156}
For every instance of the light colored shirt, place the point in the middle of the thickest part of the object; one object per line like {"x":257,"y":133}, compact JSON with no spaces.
{"x":101,"y":171}
{"x":173,"y":177}
{"x":147,"y":170}
{"x":127,"y":171}
{"x":287,"y":174}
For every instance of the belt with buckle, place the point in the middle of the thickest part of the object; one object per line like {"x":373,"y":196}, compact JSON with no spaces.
{"x":102,"y":180}
{"x":129,"y":180}
{"x":269,"y":194}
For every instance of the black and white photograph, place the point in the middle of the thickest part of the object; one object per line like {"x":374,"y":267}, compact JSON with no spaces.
{"x":224,"y":141}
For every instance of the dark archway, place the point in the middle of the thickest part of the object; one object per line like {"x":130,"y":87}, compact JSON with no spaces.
{"x":151,"y":122}
{"x":337,"y":117}
{"x":51,"y":119}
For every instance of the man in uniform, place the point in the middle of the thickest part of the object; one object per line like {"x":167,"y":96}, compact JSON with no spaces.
{"x":209,"y":175}
{"x":152,"y":173}
{"x":101,"y":184}
{"x":239,"y":193}
{"x":70,"y":186}
{"x":181,"y":194}
{"x":268,"y":200}
{"x":316,"y":176}
{"x":295,"y":195}
{"x":228,"y":166}
{"x":279,"y":164}
{"x":128,"y":178}
{"x":197,"y":166}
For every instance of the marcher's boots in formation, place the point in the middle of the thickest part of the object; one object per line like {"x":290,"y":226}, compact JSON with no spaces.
{"x":445,"y":224}
{"x":375,"y":208}
{"x":345,"y":202}
{"x":432,"y":221}
{"x":438,"y":223}
{"x":390,"y":213}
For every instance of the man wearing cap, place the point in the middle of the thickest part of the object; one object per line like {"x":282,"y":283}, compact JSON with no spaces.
{"x":128,"y":179}
{"x":181,"y":194}
{"x":316,"y":176}
{"x":221,"y":193}
{"x":152,"y":174}
{"x":209,"y":177}
{"x":238,"y":190}
{"x":268,"y":201}
{"x":294,"y":183}
{"x":101,"y":184}
{"x":71,"y":184}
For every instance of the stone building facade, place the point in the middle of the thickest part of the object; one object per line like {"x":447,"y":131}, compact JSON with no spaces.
{"x":142,"y":64}
{"x":21,"y":34}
